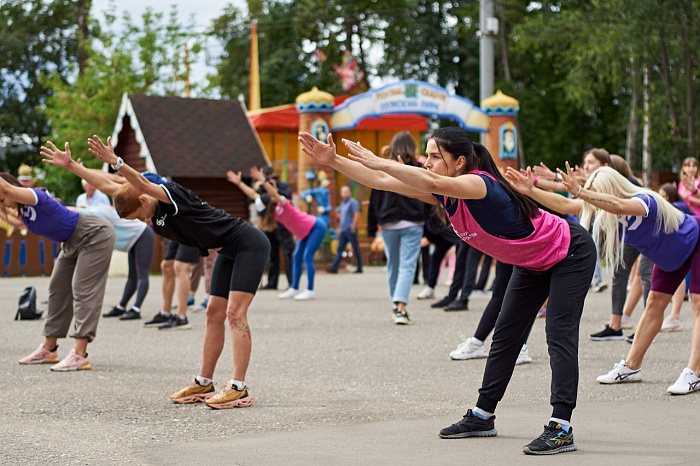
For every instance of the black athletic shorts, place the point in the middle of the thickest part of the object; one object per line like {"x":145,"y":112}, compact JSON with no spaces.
{"x":240,"y":264}
{"x":180,"y":252}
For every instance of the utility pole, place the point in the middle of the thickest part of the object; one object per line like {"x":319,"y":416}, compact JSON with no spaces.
{"x":488,"y":28}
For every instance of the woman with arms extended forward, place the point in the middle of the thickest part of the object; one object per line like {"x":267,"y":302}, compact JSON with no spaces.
{"x":552,"y":258}
{"x":181,"y":216}
{"x":640,"y":217}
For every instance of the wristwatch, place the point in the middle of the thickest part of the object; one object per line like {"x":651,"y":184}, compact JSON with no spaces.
{"x":118,"y":165}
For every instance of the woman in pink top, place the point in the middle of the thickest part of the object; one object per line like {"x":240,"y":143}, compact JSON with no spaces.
{"x":688,"y":187}
{"x":552,"y":257}
{"x":308,"y":229}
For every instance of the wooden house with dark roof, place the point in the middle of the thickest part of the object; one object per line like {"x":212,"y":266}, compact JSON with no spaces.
{"x":192,"y":142}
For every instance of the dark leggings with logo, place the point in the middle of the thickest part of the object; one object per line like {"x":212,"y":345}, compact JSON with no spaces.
{"x":566,"y":284}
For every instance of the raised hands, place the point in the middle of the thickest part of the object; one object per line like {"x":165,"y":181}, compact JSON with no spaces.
{"x":232,"y":177}
{"x":60,"y":158}
{"x":363,"y":155}
{"x":102,"y":152}
{"x":521,"y":180}
{"x":689,"y":183}
{"x":570,"y":181}
{"x":317,"y":150}
{"x":542,"y":171}
{"x":257,"y":174}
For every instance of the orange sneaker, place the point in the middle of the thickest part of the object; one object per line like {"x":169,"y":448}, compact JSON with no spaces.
{"x":72,"y":362}
{"x":41,"y":356}
{"x":193,"y":393}
{"x":229,"y":397}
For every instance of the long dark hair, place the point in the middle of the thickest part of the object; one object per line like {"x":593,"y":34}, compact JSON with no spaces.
{"x":457,"y":142}
{"x":403,"y":145}
{"x":671,"y":191}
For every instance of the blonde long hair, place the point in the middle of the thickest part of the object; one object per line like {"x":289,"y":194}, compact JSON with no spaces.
{"x":605,"y":229}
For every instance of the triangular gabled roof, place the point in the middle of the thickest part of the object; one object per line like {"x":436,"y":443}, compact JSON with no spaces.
{"x":192,"y":138}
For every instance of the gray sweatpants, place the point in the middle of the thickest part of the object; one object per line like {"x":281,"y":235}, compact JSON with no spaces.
{"x":622,"y":274}
{"x":78,"y":280}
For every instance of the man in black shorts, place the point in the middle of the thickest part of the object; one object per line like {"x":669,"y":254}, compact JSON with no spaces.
{"x":176,"y":268}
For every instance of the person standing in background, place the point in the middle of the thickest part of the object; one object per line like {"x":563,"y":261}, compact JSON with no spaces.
{"x":91,"y":197}
{"x":349,"y":214}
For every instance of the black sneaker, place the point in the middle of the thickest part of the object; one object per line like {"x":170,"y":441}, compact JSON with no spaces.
{"x":176,"y":323}
{"x":358,"y":271}
{"x":457,"y":305}
{"x":442,"y":303}
{"x":470,"y":426}
{"x":630,"y":339}
{"x":553,"y":440}
{"x":329,"y":270}
{"x":158,"y":320}
{"x":130,"y":315}
{"x":115,"y":312}
{"x":607,"y":334}
{"x":401,"y":318}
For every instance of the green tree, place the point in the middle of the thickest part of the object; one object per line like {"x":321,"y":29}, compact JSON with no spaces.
{"x":36,"y":37}
{"x":122,"y":57}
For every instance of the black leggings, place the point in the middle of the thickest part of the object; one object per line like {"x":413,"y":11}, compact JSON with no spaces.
{"x":435,"y":260}
{"x":566,"y":284}
{"x":240,"y":264}
{"x":140,"y":258}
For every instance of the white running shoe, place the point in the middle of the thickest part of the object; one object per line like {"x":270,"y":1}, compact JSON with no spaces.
{"x":523,"y":357}
{"x":620,"y":373}
{"x":627,"y":322}
{"x":686,"y":383}
{"x":470,"y":348}
{"x":427,"y":293}
{"x":305,"y":295}
{"x":671,"y":325}
{"x":289,"y":294}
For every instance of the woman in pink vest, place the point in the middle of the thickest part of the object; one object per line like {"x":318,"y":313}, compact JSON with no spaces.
{"x":309,"y":230}
{"x":552,"y":257}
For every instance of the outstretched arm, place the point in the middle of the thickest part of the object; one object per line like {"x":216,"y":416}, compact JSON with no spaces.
{"x":16,"y":193}
{"x":260,"y":177}
{"x":326,"y":154}
{"x":606,"y":202}
{"x":523,"y":183}
{"x":462,"y":187}
{"x":62,"y":158}
{"x":135,"y":179}
{"x":235,"y":178}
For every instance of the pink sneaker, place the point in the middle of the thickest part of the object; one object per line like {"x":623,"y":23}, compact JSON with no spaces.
{"x":72,"y":362}
{"x":41,"y":356}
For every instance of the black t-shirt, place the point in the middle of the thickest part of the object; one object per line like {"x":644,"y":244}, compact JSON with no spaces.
{"x":192,"y":222}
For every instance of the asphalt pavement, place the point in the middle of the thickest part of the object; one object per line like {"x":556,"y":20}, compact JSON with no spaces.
{"x":335,"y":382}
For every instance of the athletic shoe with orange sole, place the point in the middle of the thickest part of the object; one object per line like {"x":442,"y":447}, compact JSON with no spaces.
{"x":193,"y":393}
{"x":72,"y":362}
{"x":229,"y":397}
{"x":41,"y":356}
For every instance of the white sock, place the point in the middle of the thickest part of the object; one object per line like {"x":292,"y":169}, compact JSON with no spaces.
{"x":119,"y":307}
{"x":477,"y":341}
{"x":166,"y":314}
{"x":137,"y":309}
{"x":203,"y":381}
{"x":564,"y":424}
{"x":237,"y":384}
{"x":481,"y":413}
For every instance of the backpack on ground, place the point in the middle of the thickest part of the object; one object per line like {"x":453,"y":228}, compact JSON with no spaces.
{"x":27,"y":305}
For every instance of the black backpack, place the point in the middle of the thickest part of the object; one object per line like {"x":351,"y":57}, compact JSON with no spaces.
{"x":27,"y":305}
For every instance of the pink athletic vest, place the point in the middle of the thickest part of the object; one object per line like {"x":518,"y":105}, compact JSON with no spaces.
{"x":547,"y":245}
